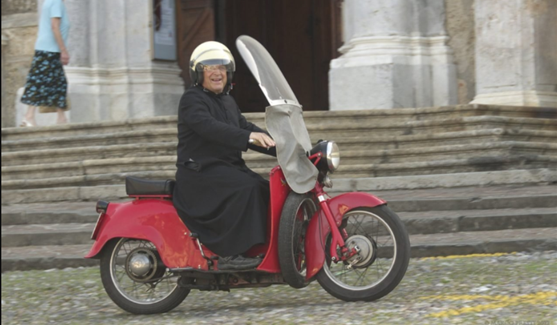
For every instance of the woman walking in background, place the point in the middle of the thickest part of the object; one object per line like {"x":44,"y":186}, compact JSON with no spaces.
{"x":46,"y":84}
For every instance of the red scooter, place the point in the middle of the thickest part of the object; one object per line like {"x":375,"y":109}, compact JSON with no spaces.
{"x":352,"y":244}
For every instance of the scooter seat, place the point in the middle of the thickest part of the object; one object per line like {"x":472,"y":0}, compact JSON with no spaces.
{"x":139,"y":186}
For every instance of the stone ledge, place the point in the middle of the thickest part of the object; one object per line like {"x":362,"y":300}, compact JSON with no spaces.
{"x":128,"y":167}
{"x":170,"y":135}
{"x":416,"y":113}
{"x":490,"y":178}
{"x":29,"y":19}
{"x":541,"y":176}
{"x":535,"y":202}
{"x":488,"y":153}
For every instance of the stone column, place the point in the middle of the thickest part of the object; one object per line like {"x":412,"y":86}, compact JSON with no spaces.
{"x":5,"y":109}
{"x":516,"y":52}
{"x":395,"y":55}
{"x":111,"y":75}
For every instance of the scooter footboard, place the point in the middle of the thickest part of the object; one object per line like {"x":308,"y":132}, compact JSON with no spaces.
{"x":153,"y":220}
{"x":318,"y":228}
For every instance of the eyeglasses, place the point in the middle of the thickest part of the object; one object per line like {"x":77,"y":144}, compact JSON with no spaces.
{"x":214,"y":68}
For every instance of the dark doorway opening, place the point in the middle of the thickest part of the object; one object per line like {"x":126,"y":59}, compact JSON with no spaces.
{"x":302,"y":36}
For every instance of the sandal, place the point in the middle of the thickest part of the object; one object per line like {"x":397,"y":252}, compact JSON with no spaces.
{"x":25,"y":123}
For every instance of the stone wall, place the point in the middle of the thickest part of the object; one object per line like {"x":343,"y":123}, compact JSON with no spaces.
{"x":10,"y":7}
{"x":19,"y":32}
{"x":459,"y":23}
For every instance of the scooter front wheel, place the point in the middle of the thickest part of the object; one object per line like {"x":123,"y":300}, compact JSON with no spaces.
{"x":381,"y":240}
{"x":294,"y":220}
{"x":135,"y":278}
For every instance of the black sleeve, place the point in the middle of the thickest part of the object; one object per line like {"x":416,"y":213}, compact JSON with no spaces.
{"x":195,"y":115}
{"x":244,"y":124}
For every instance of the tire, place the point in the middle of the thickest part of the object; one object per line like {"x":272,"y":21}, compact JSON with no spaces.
{"x":142,"y":292}
{"x":381,"y":263}
{"x":296,"y":212}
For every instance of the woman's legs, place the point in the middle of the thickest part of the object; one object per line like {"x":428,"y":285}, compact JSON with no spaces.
{"x":61,"y":116}
{"x":30,"y":115}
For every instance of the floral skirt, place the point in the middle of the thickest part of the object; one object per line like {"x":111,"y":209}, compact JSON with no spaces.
{"x":46,"y":84}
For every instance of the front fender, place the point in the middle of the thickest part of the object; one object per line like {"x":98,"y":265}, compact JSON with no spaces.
{"x":154,"y":220}
{"x":318,"y":228}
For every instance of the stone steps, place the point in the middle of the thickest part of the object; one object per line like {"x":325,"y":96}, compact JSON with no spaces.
{"x":94,"y":191}
{"x":462,"y":243}
{"x":465,"y":179}
{"x":166,"y":170}
{"x":432,"y":222}
{"x":447,"y":140}
{"x":326,"y":128}
{"x":310,"y":117}
{"x":441,"y":222}
{"x":411,"y":203}
{"x":375,"y":141}
{"x":44,"y":256}
{"x":50,"y":166}
{"x":371,"y":146}
{"x":83,"y":211}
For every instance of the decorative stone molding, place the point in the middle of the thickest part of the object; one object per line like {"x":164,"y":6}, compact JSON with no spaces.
{"x":395,"y":56}
{"x":519,"y":98}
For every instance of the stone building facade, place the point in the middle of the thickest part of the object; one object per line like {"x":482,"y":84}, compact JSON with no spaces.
{"x":396,"y":53}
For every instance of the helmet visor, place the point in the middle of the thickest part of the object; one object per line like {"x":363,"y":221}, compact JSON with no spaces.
{"x":212,"y":57}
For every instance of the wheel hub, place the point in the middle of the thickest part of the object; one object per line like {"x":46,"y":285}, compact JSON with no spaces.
{"x":367,"y":251}
{"x":142,"y":264}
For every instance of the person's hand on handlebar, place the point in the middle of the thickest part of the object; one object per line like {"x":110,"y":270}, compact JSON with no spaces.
{"x":261,"y":140}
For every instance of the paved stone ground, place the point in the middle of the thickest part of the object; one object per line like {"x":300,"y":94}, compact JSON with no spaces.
{"x":513,"y":289}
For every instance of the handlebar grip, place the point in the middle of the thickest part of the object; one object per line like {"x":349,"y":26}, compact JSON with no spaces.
{"x":255,"y":142}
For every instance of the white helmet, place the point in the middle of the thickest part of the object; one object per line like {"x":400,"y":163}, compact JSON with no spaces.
{"x":211,"y":53}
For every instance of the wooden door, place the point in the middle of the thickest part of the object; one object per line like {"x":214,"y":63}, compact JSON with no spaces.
{"x":302,"y":37}
{"x":195,"y":24}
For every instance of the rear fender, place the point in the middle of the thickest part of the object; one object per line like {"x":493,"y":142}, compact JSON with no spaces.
{"x":154,"y":220}
{"x":318,"y":228}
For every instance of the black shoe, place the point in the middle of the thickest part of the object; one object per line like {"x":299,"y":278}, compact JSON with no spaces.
{"x":238,"y":262}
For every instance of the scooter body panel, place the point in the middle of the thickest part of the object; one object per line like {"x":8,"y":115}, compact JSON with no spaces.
{"x":154,"y":220}
{"x":279,"y":191}
{"x":319,"y":229}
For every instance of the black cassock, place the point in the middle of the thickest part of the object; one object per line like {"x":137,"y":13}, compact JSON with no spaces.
{"x":216,"y":194}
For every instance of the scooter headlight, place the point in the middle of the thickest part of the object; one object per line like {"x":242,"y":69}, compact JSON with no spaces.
{"x":330,"y":155}
{"x":333,"y":156}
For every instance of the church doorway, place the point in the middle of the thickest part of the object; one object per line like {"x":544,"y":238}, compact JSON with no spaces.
{"x":302,"y":36}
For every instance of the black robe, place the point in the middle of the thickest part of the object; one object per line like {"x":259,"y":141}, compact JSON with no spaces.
{"x":216,"y":194}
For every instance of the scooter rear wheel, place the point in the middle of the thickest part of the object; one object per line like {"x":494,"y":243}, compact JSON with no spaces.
{"x":296,"y":212}
{"x":382,"y":260}
{"x":135,"y":278}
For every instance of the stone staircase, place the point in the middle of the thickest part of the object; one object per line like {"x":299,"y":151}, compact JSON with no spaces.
{"x":465,"y":179}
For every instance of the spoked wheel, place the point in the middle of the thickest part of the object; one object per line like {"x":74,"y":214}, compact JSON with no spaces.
{"x":135,"y":278}
{"x":382,"y":259}
{"x":294,"y":220}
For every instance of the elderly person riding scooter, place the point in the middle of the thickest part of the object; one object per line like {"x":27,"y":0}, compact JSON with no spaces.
{"x":216,"y":195}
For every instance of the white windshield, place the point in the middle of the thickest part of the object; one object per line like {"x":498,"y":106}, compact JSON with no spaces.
{"x":266,"y":72}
